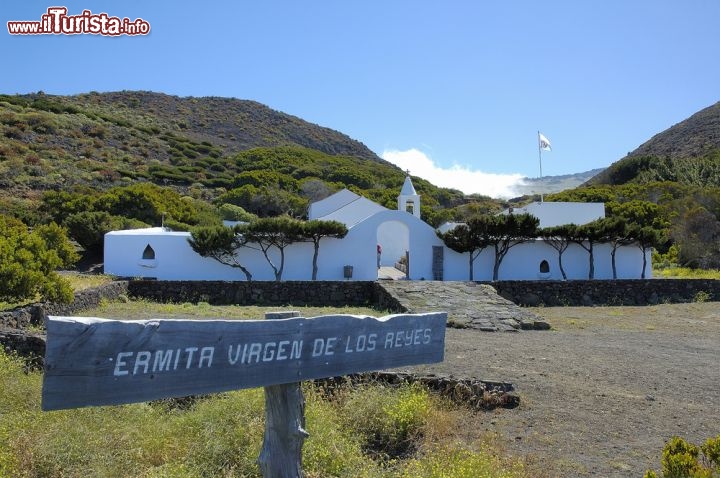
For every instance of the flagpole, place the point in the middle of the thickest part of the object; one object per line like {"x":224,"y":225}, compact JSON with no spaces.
{"x":540,"y":157}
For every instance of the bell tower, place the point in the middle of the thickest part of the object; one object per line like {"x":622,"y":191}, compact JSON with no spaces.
{"x":409,"y":199}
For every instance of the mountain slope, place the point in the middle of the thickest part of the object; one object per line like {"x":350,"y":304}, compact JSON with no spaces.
{"x":108,"y":139}
{"x":233,"y":124}
{"x":688,"y":153}
{"x":202,"y":148}
{"x":672,"y":184}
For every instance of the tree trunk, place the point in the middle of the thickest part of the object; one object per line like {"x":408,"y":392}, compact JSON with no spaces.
{"x":642,"y":275}
{"x":314,"y":261}
{"x":496,"y":269}
{"x":591,"y":274}
{"x":562,"y":271}
{"x":278,"y":274}
{"x":612,"y":260}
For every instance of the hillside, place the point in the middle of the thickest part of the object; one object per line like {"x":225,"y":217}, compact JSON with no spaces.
{"x":208,"y":150}
{"x":687,"y":153}
{"x":48,"y":142}
{"x":672,"y":184}
{"x":228,"y":123}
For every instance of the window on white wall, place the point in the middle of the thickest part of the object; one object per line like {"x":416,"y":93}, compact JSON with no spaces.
{"x":544,"y":267}
{"x":148,"y":253}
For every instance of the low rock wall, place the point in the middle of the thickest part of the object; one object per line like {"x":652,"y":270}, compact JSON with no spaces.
{"x":608,"y":292}
{"x":26,"y":344}
{"x":14,"y":335}
{"x":311,"y":293}
{"x":478,"y":394}
{"x":36,"y":314}
{"x":359,"y":293}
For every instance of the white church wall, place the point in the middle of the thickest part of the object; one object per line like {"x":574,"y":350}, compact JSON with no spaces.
{"x":457,"y":266}
{"x":382,"y":226}
{"x":175,"y":259}
{"x":522,"y":262}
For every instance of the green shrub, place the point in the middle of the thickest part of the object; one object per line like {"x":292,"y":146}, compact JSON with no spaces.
{"x":390,"y":420}
{"x":331,"y":450}
{"x":711,"y":450}
{"x":29,"y":260}
{"x":221,"y":435}
{"x":88,"y":228}
{"x":680,"y":459}
{"x":687,"y":273}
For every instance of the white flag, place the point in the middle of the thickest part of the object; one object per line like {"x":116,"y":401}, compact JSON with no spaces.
{"x":544,"y":142}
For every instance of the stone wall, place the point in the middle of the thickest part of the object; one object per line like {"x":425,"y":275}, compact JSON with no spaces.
{"x":608,"y":292}
{"x":312,"y":293}
{"x":26,"y":344}
{"x":14,"y":335}
{"x":35,"y":314}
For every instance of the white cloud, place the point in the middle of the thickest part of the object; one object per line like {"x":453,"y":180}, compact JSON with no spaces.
{"x":457,"y":177}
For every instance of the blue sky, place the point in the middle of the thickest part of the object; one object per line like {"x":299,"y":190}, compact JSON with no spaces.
{"x":455,"y":91}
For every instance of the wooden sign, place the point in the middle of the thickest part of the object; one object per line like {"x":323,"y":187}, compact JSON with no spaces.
{"x":92,"y":361}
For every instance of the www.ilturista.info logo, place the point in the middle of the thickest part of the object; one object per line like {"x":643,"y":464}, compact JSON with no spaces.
{"x":57,"y":22}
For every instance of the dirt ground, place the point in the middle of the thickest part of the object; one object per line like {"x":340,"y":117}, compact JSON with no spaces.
{"x":604,"y":389}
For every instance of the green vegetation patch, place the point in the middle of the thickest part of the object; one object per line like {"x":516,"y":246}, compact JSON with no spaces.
{"x":221,"y":435}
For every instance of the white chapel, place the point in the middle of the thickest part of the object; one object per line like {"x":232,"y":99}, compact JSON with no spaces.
{"x":400,"y":234}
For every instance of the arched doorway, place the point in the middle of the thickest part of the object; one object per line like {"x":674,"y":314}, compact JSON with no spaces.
{"x":393,"y":237}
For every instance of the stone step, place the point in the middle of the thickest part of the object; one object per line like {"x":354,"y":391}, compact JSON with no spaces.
{"x":468,"y":305}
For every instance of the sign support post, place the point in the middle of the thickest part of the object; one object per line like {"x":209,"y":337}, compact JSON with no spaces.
{"x":281,"y":454}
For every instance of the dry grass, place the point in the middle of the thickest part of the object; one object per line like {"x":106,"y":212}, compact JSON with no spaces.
{"x":692,"y":317}
{"x":80,"y":281}
{"x":144,"y":309}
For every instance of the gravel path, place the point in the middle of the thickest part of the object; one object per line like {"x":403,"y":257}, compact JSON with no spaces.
{"x":602,"y":391}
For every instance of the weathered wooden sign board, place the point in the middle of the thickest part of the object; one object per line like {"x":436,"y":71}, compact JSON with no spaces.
{"x":91,"y":361}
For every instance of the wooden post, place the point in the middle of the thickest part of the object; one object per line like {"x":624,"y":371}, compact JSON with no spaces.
{"x":281,"y":454}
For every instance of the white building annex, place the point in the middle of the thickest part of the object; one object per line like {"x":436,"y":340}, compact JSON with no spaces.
{"x":166,"y":255}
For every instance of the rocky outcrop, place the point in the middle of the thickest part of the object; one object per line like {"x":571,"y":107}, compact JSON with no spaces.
{"x":473,"y":393}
